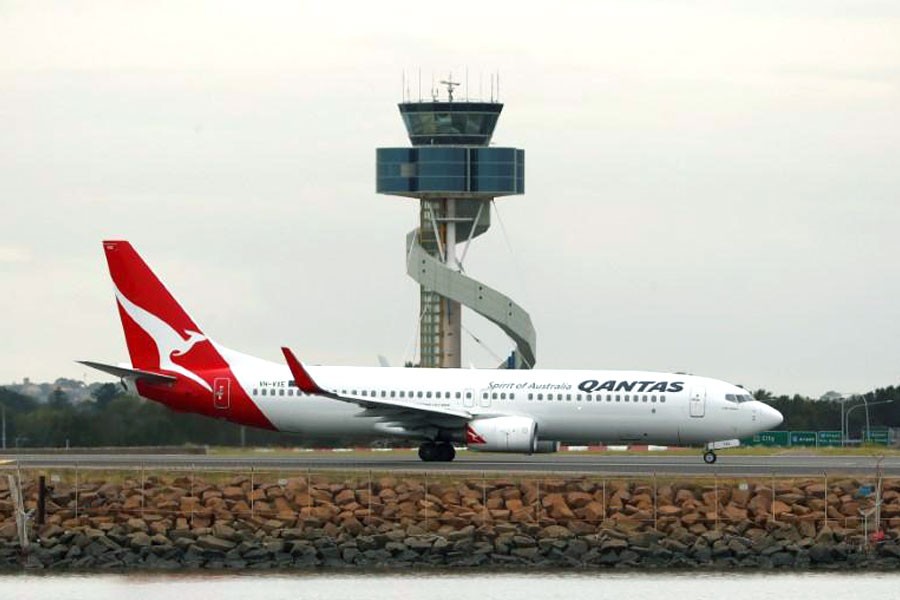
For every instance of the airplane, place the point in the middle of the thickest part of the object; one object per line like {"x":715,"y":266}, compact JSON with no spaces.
{"x":173,"y":362}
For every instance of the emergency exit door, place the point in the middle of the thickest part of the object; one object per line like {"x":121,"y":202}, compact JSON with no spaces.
{"x":222,"y":393}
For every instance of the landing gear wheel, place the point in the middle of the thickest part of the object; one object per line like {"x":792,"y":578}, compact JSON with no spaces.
{"x":428,"y":452}
{"x":709,"y":457}
{"x":446,"y":452}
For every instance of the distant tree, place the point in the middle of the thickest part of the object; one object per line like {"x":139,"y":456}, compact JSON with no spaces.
{"x":105,"y":394}
{"x":763,"y":395}
{"x":58,"y":399}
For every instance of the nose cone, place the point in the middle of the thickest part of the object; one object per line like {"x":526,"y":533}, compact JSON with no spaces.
{"x":769,"y":417}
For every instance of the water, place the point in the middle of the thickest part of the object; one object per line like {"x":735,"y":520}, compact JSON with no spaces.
{"x":441,"y":586}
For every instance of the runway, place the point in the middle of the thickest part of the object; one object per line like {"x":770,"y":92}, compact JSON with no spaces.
{"x":495,"y":464}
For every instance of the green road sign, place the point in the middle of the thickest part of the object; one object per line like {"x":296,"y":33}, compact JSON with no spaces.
{"x":878,"y":436}
{"x":829,"y":438}
{"x":771,"y":438}
{"x":803,"y":438}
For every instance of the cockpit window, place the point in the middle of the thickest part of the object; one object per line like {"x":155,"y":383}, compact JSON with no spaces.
{"x":738,"y":398}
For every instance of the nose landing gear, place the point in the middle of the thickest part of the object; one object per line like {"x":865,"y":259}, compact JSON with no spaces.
{"x":709,"y":454}
{"x":437,"y":452}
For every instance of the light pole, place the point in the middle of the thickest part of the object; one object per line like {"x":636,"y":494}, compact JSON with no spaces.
{"x":867,"y":405}
{"x":843,"y":431}
{"x":850,"y":410}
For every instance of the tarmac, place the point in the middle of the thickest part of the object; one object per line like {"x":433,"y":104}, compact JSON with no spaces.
{"x":788,"y":465}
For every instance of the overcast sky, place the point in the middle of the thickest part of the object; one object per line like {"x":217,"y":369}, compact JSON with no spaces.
{"x":712,"y":187}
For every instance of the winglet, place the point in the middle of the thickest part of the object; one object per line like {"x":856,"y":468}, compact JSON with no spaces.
{"x":301,"y":375}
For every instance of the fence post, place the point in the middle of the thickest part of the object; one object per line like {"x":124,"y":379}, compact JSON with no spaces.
{"x":605,"y":503}
{"x":774,"y":518}
{"x":76,"y":491}
{"x":192,"y":495}
{"x":655,"y":511}
{"x":717,"y":500}
{"x":142,"y":489}
{"x":483,"y":498}
{"x":15,"y":493}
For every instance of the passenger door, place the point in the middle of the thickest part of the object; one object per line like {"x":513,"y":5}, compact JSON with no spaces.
{"x":698,"y":401}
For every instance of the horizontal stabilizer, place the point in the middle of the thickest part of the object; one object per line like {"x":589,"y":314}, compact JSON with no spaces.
{"x":137,"y":374}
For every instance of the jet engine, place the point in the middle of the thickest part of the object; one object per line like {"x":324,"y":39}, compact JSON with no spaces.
{"x":502,"y":434}
{"x":546,"y":447}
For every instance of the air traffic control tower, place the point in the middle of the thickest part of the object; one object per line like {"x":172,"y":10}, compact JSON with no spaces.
{"x":455,"y":174}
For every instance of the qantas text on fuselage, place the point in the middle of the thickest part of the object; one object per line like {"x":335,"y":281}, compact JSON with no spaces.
{"x":175,"y":363}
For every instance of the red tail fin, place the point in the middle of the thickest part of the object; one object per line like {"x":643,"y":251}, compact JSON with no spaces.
{"x":156,"y":327}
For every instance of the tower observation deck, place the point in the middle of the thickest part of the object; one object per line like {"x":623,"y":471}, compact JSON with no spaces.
{"x":455,"y":174}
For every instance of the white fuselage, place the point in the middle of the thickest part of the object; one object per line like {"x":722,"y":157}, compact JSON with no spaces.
{"x":690,"y":410}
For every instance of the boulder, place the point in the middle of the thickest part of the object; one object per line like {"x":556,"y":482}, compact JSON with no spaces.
{"x":210,"y":542}
{"x":555,"y":532}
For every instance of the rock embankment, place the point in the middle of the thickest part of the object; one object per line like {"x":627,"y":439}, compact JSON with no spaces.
{"x":241,"y":522}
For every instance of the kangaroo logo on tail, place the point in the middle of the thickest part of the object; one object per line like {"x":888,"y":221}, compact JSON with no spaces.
{"x":168,"y":342}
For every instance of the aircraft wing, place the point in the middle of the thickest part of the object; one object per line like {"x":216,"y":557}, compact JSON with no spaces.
{"x":147,"y":376}
{"x":407,"y":413}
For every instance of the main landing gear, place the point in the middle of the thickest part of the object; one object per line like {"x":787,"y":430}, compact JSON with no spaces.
{"x":437,"y":452}
{"x":709,"y":457}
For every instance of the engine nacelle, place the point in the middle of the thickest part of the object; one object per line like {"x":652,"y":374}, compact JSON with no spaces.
{"x":502,"y":434}
{"x":546,"y":447}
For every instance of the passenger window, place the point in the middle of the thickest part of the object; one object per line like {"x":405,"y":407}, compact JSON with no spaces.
{"x":512,"y":396}
{"x":393,"y":393}
{"x":281,"y":392}
{"x":540,"y":397}
{"x":609,"y":397}
{"x":531,"y":396}
{"x":428,"y":394}
{"x":255,"y":392}
{"x":353,"y":392}
{"x":662,"y":398}
{"x":459,"y":395}
{"x":263,"y":391}
{"x":588,"y":398}
{"x":645,"y":397}
{"x":418,"y":394}
{"x":653,"y":398}
{"x":568,"y":397}
{"x":468,"y":394}
{"x":618,"y":398}
{"x":373,"y":394}
{"x":290,"y":392}
{"x":578,"y":397}
{"x":494,"y":395}
{"x":484,"y":395}
{"x":383,"y":393}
